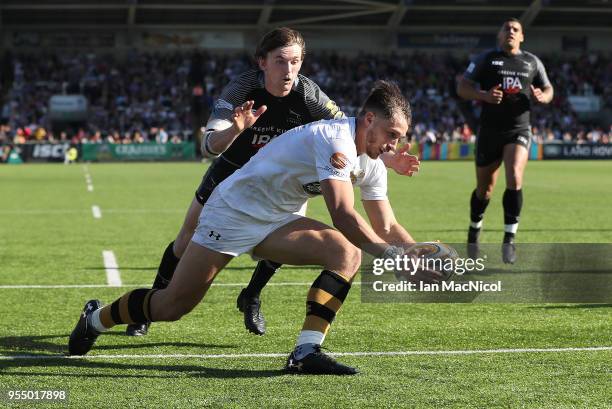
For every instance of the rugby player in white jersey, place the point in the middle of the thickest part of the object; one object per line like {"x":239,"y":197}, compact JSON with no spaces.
{"x":281,"y":99}
{"x":257,"y":210}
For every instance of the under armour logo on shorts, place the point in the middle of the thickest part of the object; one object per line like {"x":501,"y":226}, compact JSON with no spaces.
{"x":217,"y":236}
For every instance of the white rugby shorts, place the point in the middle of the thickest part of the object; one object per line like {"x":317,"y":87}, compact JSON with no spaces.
{"x":228,"y":231}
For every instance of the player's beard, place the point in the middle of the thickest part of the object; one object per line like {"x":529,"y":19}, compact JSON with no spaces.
{"x":371,"y":146}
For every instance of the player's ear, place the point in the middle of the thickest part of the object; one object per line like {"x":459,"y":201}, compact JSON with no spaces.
{"x":261,"y":62}
{"x":369,"y":117}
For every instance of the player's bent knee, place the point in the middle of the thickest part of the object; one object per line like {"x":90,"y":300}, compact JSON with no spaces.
{"x":353,"y":260}
{"x":515,"y":179}
{"x":344,"y":258}
{"x":485,"y":193}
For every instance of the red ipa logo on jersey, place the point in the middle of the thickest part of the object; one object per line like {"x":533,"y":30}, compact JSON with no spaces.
{"x":511,"y":85}
{"x":338,"y":160}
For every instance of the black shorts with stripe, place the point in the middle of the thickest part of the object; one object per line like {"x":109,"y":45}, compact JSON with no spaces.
{"x":218,"y":171}
{"x":490,"y":143}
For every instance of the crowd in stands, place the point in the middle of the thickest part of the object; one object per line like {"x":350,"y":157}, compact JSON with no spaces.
{"x":149,"y":97}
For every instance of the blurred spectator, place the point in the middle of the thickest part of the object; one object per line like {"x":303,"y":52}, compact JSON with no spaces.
{"x":147,"y":97}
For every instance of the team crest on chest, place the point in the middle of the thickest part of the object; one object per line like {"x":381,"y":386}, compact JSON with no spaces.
{"x":294,"y":119}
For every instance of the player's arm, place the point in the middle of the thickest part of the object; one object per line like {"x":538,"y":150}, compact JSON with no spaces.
{"x":220,"y":134}
{"x":543,"y":91}
{"x":383,"y":221}
{"x":340,"y":200}
{"x":543,"y":95}
{"x":468,"y":89}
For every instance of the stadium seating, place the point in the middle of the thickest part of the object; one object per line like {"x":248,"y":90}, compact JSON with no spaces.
{"x":148,"y":97}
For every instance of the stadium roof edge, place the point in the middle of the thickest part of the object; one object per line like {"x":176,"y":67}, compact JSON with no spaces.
{"x":399,"y":15}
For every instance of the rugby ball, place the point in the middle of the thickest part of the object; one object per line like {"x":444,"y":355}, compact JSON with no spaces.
{"x":435,"y":256}
{"x":434,"y":249}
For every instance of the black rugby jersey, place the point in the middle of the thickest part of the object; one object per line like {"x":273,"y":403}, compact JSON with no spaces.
{"x":304,"y":104}
{"x":515,"y":73}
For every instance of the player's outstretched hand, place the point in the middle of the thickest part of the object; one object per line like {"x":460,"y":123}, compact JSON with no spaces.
{"x":538,"y":95}
{"x":494,"y":95}
{"x":244,"y":117}
{"x":422,"y":274}
{"x":402,"y":162}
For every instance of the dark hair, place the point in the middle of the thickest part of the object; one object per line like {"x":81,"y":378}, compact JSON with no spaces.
{"x":513,"y":20}
{"x":386,"y":99}
{"x":279,"y":37}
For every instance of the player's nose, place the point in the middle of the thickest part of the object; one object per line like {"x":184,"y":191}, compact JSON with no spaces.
{"x":287,"y":68}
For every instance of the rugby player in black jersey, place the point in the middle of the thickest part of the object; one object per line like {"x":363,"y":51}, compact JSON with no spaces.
{"x":255,"y":107}
{"x":506,"y":80}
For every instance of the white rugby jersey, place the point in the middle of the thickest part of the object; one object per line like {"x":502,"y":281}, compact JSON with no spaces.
{"x":281,"y":177}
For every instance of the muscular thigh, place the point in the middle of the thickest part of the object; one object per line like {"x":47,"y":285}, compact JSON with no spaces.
{"x":194,"y":275}
{"x":304,"y":241}
{"x":489,"y":148}
{"x":515,"y":160}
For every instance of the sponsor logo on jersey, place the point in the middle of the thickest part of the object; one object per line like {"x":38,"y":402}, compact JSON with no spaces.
{"x":336,"y":172}
{"x":511,"y":85}
{"x":312,"y":188}
{"x":223,"y":104}
{"x":338,"y":160}
{"x":259,"y":140}
{"x":498,"y":63}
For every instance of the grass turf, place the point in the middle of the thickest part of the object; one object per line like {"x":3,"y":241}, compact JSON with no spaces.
{"x":48,"y":236}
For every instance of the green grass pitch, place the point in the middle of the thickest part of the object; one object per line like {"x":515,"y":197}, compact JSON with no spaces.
{"x":49,"y":237}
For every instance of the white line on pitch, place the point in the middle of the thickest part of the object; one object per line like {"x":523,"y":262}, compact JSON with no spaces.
{"x":88,"y":179}
{"x":73,"y":211}
{"x":282,"y":355}
{"x":113,"y":278}
{"x":97,"y":213}
{"x":51,"y":286}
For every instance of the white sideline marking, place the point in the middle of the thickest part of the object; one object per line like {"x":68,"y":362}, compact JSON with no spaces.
{"x":282,"y":355}
{"x":76,"y":211}
{"x":50,"y":286}
{"x":112,"y":269}
{"x":97,"y":213}
{"x":88,"y":179}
